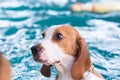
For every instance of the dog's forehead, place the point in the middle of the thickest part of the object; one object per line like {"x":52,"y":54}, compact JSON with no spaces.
{"x":50,"y":30}
{"x":65,"y":29}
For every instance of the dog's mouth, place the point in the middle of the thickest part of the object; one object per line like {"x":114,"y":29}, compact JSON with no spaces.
{"x":47,"y":62}
{"x":51,"y":63}
{"x":40,"y":60}
{"x":56,"y":62}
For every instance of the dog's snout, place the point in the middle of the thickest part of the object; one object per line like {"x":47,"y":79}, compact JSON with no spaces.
{"x":35,"y":49}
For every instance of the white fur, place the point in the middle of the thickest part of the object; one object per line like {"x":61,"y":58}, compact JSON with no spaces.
{"x":90,"y":76}
{"x":54,"y":53}
{"x":64,"y":68}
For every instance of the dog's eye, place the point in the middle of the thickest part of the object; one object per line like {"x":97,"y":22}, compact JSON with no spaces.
{"x":59,"y":36}
{"x":43,"y":35}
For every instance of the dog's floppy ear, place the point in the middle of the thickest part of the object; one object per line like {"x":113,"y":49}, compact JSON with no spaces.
{"x":46,"y":71}
{"x":83,"y":61}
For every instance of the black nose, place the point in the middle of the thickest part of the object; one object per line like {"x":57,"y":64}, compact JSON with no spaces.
{"x":35,"y":49}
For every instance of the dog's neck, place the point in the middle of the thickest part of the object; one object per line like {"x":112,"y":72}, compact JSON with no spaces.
{"x":64,"y":68}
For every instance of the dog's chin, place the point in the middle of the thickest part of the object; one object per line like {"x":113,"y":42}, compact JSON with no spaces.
{"x":40,"y":61}
{"x":47,"y":63}
{"x":54,"y":63}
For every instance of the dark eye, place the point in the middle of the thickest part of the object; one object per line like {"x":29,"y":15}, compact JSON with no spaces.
{"x":43,"y":35}
{"x":59,"y":36}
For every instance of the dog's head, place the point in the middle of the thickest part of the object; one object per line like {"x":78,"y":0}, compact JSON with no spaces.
{"x":59,"y":43}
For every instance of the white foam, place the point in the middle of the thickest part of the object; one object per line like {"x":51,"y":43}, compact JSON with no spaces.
{"x":57,"y":2}
{"x":10,"y":3}
{"x":103,"y":32}
{"x":18,"y":14}
{"x":6,"y":23}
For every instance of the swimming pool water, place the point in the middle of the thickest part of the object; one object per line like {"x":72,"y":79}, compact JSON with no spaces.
{"x":21,"y":24}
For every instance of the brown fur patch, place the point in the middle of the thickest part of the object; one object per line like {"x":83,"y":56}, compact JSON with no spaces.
{"x":83,"y":62}
{"x":5,"y":69}
{"x":68,"y":43}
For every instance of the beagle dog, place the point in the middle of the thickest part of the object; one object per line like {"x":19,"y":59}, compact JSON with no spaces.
{"x":65,"y":49}
{"x":5,"y":68}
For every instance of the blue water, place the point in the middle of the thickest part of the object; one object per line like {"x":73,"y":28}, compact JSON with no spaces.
{"x":21,"y":24}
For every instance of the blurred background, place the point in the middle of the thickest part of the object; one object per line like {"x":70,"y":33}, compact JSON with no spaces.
{"x":22,"y":21}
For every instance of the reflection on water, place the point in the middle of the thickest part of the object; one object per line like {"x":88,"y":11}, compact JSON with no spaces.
{"x":21,"y":24}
